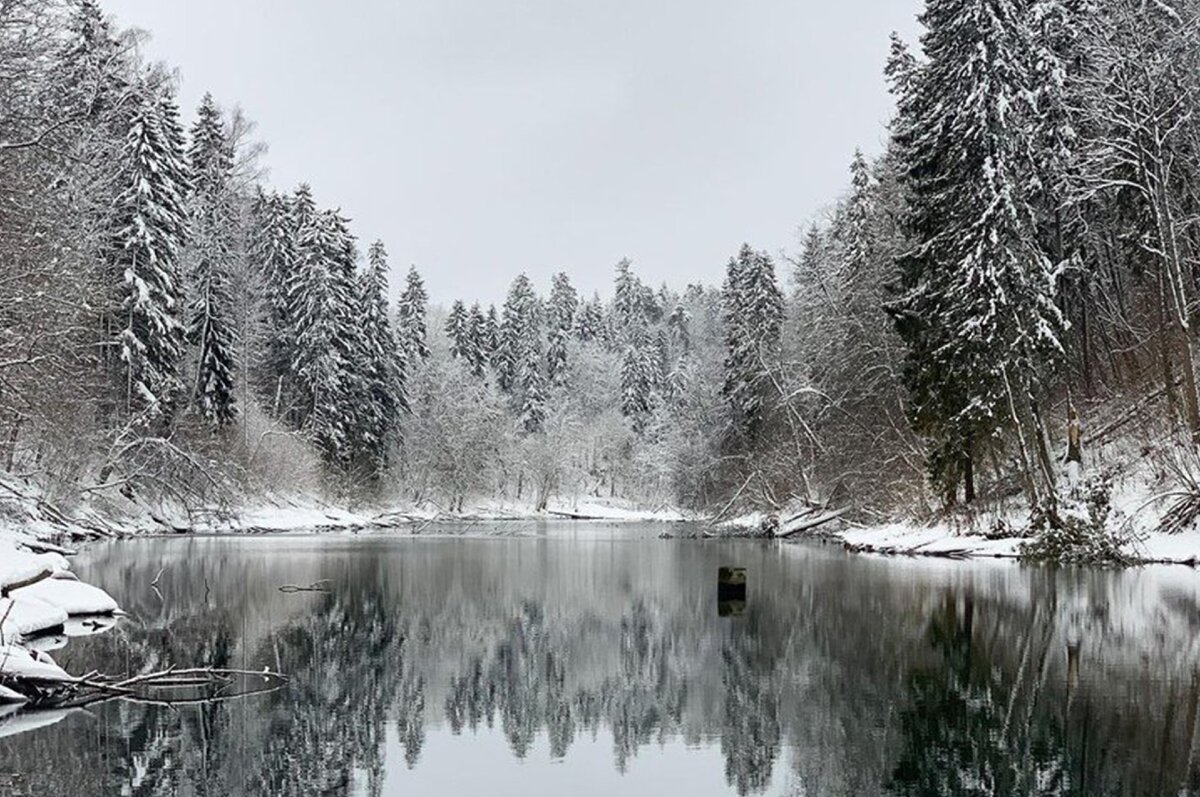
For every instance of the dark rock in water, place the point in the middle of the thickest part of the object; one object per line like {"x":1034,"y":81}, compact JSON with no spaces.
{"x":731,"y":584}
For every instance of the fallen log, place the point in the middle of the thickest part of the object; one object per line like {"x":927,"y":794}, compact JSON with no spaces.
{"x":812,"y":523}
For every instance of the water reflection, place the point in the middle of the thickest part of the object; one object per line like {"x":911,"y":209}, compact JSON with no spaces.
{"x":842,"y":675}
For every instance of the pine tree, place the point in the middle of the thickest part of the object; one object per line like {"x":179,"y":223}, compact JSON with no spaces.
{"x":458,"y":329}
{"x":410,"y":318}
{"x":978,"y":312}
{"x":753,"y":310}
{"x":149,"y":226}
{"x":211,"y":254}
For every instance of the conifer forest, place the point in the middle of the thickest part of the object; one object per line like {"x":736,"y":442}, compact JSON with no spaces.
{"x":1023,"y":249}
{"x":903,"y":502}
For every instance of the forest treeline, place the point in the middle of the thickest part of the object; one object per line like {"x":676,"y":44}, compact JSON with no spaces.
{"x":173,"y":328}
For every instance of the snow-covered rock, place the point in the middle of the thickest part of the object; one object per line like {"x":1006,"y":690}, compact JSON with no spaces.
{"x":11,"y":696}
{"x":73,"y":597}
{"x":25,"y":615}
{"x":31,"y":665}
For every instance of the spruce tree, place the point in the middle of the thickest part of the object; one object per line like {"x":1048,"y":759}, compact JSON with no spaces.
{"x":519,"y":334}
{"x":589,"y":321}
{"x":490,"y":339}
{"x":272,"y":256}
{"x":381,"y":367}
{"x":561,"y":311}
{"x":978,"y":311}
{"x":410,"y":318}
{"x":478,"y":351}
{"x":319,"y":366}
{"x":149,"y":226}
{"x":753,"y":311}
{"x":211,"y":256}
{"x":458,"y":329}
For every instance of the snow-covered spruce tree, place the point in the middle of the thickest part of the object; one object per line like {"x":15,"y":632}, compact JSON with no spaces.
{"x":560,"y":311}
{"x":316,"y":310}
{"x":640,"y":379}
{"x":533,"y":391}
{"x":210,"y":256}
{"x":753,"y":311}
{"x":490,"y":336}
{"x":477,"y":351}
{"x":458,"y":330}
{"x":410,"y":318}
{"x":678,"y":324}
{"x":520,"y":336}
{"x":380,"y":369}
{"x":977,"y":312}
{"x":149,"y":224}
{"x":272,"y":255}
{"x":589,"y":321}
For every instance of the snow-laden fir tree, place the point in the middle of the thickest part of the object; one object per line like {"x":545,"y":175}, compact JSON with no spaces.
{"x":520,"y":336}
{"x":679,"y":322}
{"x":410,"y":318}
{"x":381,"y":366}
{"x":753,"y":312}
{"x":640,"y":378}
{"x":490,"y":337}
{"x":272,"y":256}
{"x":561,"y":311}
{"x":458,"y":329}
{"x":317,"y":313}
{"x":211,"y":258}
{"x":149,"y":225}
{"x":533,"y":392}
{"x":978,"y":312}
{"x":477,"y":352}
{"x":589,"y":321}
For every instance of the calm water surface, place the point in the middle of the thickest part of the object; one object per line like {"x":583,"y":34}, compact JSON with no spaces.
{"x":594,"y":660}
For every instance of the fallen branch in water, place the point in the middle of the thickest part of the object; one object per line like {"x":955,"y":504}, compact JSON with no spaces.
{"x":316,"y":586}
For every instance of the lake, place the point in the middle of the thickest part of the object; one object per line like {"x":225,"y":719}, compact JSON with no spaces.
{"x":590,"y":659}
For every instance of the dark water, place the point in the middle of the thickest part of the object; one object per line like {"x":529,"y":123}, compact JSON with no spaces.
{"x":585,"y":660}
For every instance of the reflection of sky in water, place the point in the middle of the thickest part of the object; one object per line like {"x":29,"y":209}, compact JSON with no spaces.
{"x":592,"y":659}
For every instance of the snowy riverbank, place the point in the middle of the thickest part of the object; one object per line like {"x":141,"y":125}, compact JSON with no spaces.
{"x":42,"y":604}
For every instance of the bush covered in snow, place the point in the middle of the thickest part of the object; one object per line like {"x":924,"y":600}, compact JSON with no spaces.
{"x":1079,"y":529}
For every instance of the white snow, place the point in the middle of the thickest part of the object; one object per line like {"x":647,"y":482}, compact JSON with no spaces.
{"x":24,"y":615}
{"x":34,"y":665}
{"x":73,"y":597}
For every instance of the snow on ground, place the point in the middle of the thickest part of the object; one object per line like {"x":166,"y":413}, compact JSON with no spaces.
{"x":288,"y":515}
{"x":934,"y":540}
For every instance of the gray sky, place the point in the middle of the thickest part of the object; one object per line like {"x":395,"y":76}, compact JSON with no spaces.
{"x":481,"y":138}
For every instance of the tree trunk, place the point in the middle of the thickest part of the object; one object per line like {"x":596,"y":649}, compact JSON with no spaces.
{"x":968,"y":467}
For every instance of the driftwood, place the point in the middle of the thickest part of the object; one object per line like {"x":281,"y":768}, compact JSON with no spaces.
{"x":26,"y":582}
{"x":810,"y":523}
{"x":316,"y":586}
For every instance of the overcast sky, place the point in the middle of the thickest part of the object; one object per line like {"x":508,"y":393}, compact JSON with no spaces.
{"x":481,"y":138}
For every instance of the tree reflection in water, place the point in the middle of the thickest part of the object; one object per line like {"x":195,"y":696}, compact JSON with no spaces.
{"x":843,"y":676}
